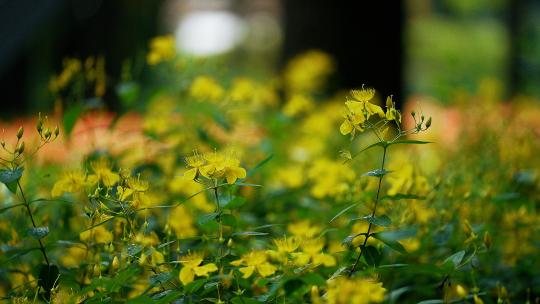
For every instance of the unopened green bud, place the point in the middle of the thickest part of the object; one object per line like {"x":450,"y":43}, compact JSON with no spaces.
{"x":39,"y":125}
{"x":56,"y":131}
{"x":47,"y":133}
{"x":428,"y":123}
{"x":20,"y":148}
{"x":20,"y":133}
{"x":413,"y":114}
{"x":487,"y":240}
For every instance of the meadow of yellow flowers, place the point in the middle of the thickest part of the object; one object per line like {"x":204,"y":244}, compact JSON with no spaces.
{"x":224,"y":188}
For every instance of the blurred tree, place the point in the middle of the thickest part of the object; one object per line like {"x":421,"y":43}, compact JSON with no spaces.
{"x":365,"y":38}
{"x":36,"y":36}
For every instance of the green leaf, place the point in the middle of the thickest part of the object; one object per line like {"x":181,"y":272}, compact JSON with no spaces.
{"x":408,"y":142}
{"x":249,"y":233}
{"x":10,"y":178}
{"x":390,"y":243}
{"x":246,"y":184}
{"x":128,"y":92}
{"x":194,"y":286}
{"x":206,"y":218}
{"x":243,"y":300}
{"x":371,"y":255}
{"x":382,"y":220}
{"x":228,"y":220}
{"x":259,"y":165}
{"x":38,"y":232}
{"x":2,"y":210}
{"x":160,"y":278}
{"x":232,"y":202}
{"x":455,"y":258}
{"x":377,"y":173}
{"x":70,"y":117}
{"x":342,"y":212}
{"x":380,"y":144}
{"x":401,"y":196}
{"x":313,"y":278}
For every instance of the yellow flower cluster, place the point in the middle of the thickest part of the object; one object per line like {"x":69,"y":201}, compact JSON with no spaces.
{"x":192,"y":266}
{"x":205,"y":88}
{"x":215,"y":165}
{"x":354,"y":291}
{"x":308,"y":72}
{"x":359,"y":109}
{"x":162,"y":48}
{"x":252,"y":261}
{"x":329,"y":178}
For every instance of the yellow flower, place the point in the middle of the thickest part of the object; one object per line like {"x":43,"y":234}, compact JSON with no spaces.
{"x":255,"y":260}
{"x":103,"y":173}
{"x":391,"y":112}
{"x":71,"y":182}
{"x":217,"y":165}
{"x":205,"y":88}
{"x":181,"y":222}
{"x":358,"y":110}
{"x":233,"y":171}
{"x":308,"y":72}
{"x":312,"y":252}
{"x":363,"y":94}
{"x":291,"y":176}
{"x":304,"y":229}
{"x":73,"y":256}
{"x":194,"y":162}
{"x":192,"y":267}
{"x":354,"y":291}
{"x":329,"y":177}
{"x":162,"y":48}
{"x":98,"y":234}
{"x":298,"y":104}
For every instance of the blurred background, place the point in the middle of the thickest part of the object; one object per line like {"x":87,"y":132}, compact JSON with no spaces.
{"x":437,"y":48}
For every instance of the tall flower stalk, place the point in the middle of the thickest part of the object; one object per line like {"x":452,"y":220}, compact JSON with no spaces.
{"x":362,"y":115}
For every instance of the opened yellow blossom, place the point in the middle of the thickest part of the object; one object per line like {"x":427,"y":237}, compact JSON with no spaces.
{"x":192,"y":267}
{"x":71,"y":182}
{"x":215,"y":165}
{"x":255,"y":261}
{"x":312,"y":253}
{"x":103,"y":173}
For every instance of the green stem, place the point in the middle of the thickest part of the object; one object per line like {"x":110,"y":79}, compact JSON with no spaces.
{"x":372,"y":215}
{"x":33,"y":222}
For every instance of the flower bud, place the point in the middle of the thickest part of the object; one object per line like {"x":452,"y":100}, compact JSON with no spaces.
{"x":467,"y":228}
{"x":487,"y":239}
{"x":115,"y":264}
{"x":96,"y":270}
{"x":428,"y":123}
{"x":47,"y":133}
{"x":20,"y":133}
{"x":142,"y":259}
{"x":20,"y":148}
{"x":56,"y":131}
{"x":39,"y":125}
{"x":413,"y":114}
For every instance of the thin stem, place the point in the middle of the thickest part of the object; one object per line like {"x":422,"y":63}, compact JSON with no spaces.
{"x":372,"y":215}
{"x":33,"y":223}
{"x":218,"y":210}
